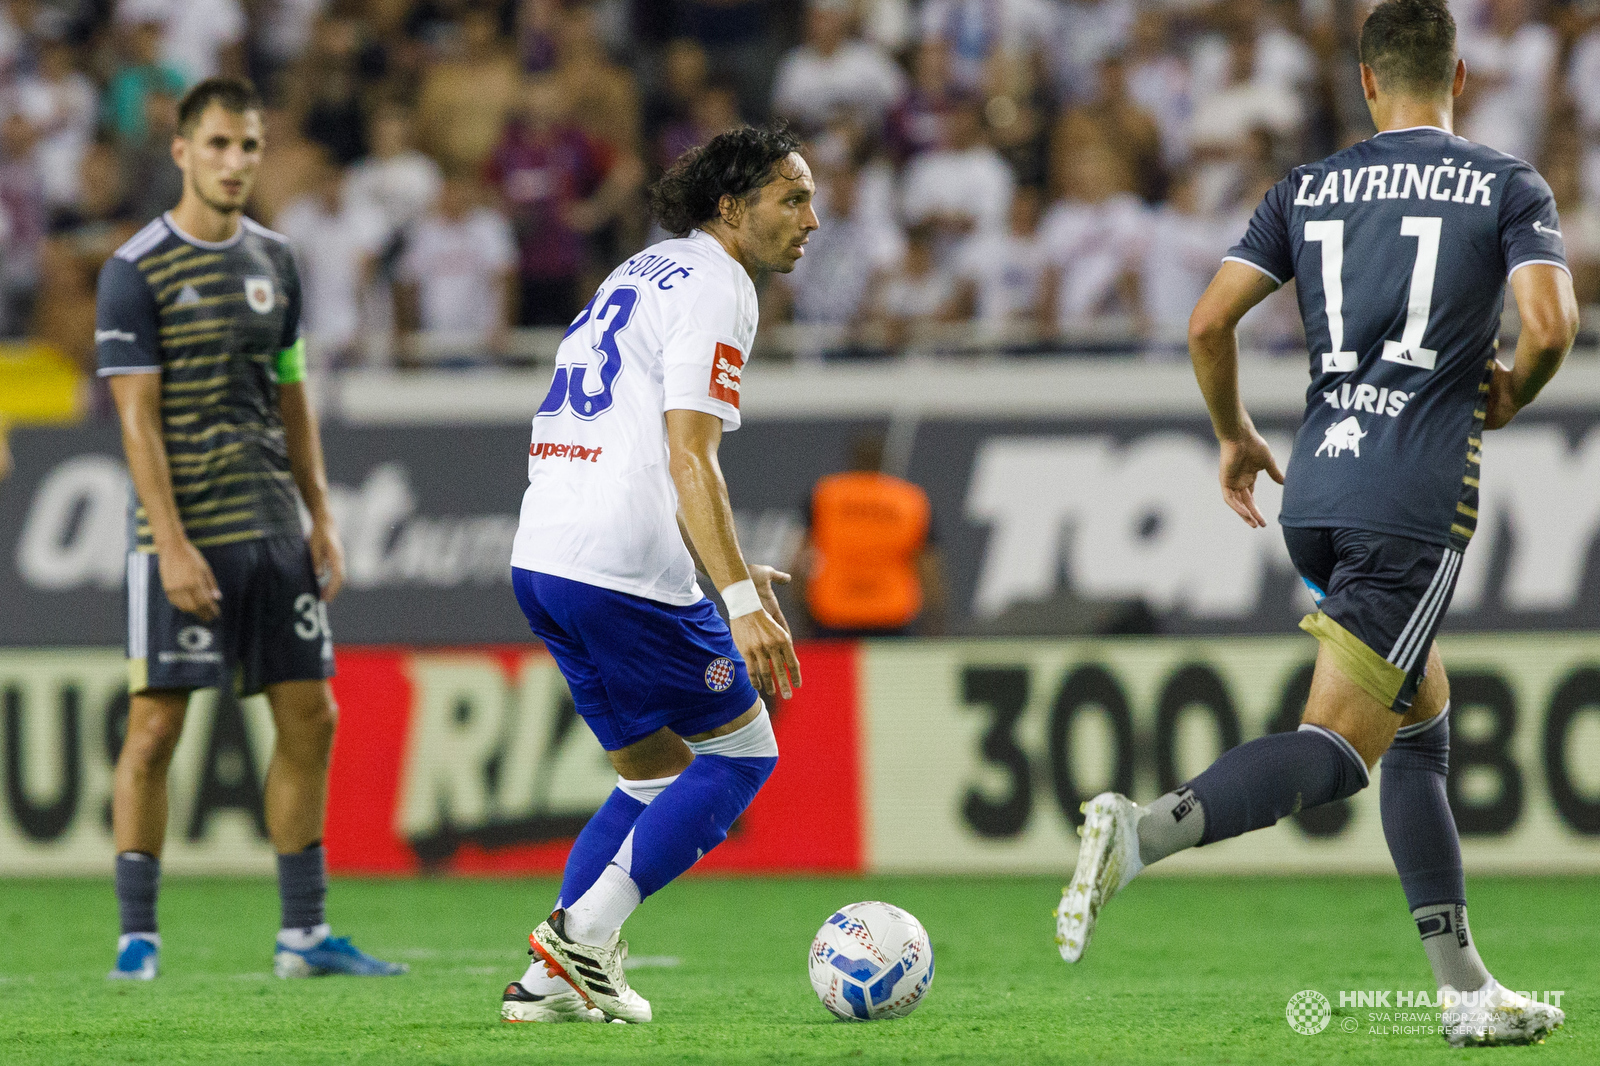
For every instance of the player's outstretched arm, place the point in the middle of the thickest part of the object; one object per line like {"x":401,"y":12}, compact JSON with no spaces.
{"x":1214,"y":350}
{"x":311,"y":477}
{"x":692,"y":441}
{"x":186,"y":577}
{"x":1549,"y":311}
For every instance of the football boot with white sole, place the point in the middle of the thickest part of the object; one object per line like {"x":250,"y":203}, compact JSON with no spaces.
{"x":331,"y":955}
{"x":1108,"y":858}
{"x":520,"y":1005}
{"x":594,"y":972}
{"x":1495,"y":1015}
{"x":137,"y":954}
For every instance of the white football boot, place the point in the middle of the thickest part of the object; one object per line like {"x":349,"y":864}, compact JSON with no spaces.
{"x":594,"y":972}
{"x":520,"y":1005}
{"x":1495,"y":1015}
{"x":1108,"y":858}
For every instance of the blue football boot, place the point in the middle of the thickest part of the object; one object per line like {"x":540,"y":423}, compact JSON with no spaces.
{"x":331,"y":954}
{"x":136,"y":957}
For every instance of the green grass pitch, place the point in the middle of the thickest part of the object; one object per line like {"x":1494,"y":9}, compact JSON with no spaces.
{"x":1181,"y":971}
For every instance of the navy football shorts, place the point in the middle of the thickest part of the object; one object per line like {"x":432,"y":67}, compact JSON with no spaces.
{"x":1380,"y":599}
{"x":273,"y":625}
{"x":636,"y":665}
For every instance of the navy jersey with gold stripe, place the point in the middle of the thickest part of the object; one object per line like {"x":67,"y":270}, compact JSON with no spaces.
{"x":212,"y":318}
{"x":1400,"y":247}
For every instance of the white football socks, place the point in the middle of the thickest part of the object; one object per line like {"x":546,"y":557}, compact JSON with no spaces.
{"x":1448,"y":942}
{"x":1172,"y":823}
{"x":304,"y":939}
{"x":537,"y":980}
{"x":597,"y":915}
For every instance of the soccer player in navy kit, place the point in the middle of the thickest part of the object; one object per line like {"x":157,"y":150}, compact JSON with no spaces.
{"x":1401,"y":247}
{"x":197,"y":330}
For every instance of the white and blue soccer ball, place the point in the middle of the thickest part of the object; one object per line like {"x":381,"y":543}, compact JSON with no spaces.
{"x":871,"y":961}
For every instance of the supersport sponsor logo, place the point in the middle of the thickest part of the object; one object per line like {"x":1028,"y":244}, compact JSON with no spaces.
{"x":576,"y":453}
{"x":727,"y":367}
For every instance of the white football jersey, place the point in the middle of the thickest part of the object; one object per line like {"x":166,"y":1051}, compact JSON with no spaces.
{"x":670,"y":329}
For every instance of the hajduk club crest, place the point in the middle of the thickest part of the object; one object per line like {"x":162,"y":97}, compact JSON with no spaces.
{"x":258,"y":294}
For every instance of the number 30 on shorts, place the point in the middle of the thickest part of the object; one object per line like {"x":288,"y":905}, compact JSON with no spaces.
{"x":313,"y":621}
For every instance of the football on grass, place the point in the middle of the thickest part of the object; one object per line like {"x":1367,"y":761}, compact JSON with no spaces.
{"x":871,"y":961}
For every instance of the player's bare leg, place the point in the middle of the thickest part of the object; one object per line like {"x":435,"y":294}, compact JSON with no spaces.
{"x":296,"y":801}
{"x":139,"y":823}
{"x":139,"y":784}
{"x":296,"y":795}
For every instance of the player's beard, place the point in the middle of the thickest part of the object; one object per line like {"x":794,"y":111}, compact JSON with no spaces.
{"x":216,"y":203}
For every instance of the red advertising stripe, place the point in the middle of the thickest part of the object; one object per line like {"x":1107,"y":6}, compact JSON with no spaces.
{"x":807,"y":819}
{"x":374,"y":697}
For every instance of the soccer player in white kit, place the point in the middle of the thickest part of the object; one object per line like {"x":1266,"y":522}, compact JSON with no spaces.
{"x":625,"y":501}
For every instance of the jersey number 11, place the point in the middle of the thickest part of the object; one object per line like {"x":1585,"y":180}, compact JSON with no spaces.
{"x":1408,"y":350}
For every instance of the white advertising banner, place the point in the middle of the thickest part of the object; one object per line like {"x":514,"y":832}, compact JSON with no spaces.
{"x":978,"y":753}
{"x":62,"y":714}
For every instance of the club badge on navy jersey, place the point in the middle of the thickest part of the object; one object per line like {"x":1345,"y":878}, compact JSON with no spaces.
{"x":258,"y":294}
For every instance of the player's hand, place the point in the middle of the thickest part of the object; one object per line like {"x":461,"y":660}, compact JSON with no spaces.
{"x":765,"y":577}
{"x":187,"y":579}
{"x":1242,"y":460}
{"x":327,"y":557}
{"x":1501,"y":406}
{"x":768,"y":653}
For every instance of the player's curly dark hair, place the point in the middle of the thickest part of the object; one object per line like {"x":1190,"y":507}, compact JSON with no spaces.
{"x":1411,"y":44}
{"x":736,"y":163}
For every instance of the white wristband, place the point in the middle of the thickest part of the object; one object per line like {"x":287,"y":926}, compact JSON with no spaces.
{"x":741,"y":598}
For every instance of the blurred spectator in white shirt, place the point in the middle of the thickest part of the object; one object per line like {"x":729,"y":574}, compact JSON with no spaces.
{"x":1158,"y":80}
{"x":1095,"y":236}
{"x":1278,"y":59}
{"x":200,"y":38}
{"x":916,"y":293}
{"x":458,"y":274}
{"x":1087,"y":32}
{"x":852,"y":244}
{"x":988,"y":38}
{"x":1000,"y":276}
{"x":835,"y":73}
{"x":1182,"y":250}
{"x":61,"y":104}
{"x":1511,"y":68}
{"x":395,"y":180}
{"x":963,"y":186}
{"x":336,"y":239}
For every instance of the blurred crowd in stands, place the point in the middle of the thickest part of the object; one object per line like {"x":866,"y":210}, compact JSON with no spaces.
{"x":1034,"y":172}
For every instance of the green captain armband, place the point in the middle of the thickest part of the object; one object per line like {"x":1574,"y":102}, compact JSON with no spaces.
{"x":292,"y":363}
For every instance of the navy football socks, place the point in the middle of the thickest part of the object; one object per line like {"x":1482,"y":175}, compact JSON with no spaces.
{"x":303,"y":887}
{"x":138,"y":877}
{"x":1251,"y":787}
{"x":1427,"y":851}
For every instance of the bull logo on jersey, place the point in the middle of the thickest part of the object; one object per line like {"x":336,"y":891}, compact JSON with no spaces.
{"x":1341,"y":437}
{"x":258,"y":294}
{"x":727,"y":365}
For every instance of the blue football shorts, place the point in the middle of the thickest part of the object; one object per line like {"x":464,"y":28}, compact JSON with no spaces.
{"x":635,"y":665}
{"x":1381,"y":599}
